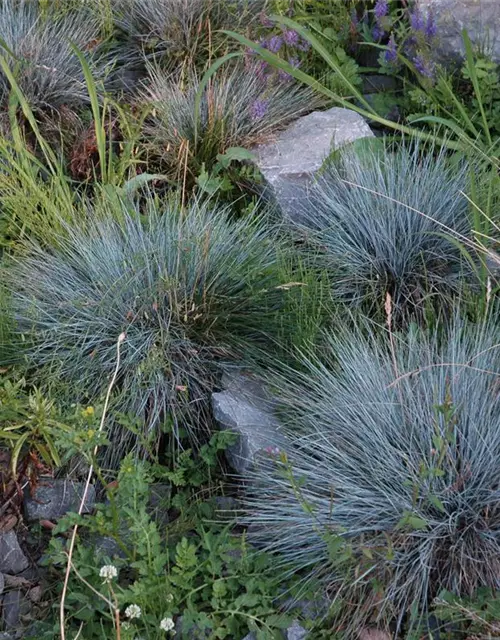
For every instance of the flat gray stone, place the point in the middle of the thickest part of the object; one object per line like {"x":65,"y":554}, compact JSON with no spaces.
{"x":296,"y":632}
{"x":12,"y":559}
{"x":244,"y":410}
{"x":481,"y":18}
{"x":11,"y":610}
{"x":53,"y":499}
{"x":290,"y":163}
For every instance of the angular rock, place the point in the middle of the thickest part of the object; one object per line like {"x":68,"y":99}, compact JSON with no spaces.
{"x":296,"y":632}
{"x":481,"y":18}
{"x":11,"y":610}
{"x":244,"y":409}
{"x":12,"y":559}
{"x":290,"y":162}
{"x":53,"y":499}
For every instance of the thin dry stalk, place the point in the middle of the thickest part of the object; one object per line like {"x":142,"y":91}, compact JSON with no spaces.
{"x":69,"y":565}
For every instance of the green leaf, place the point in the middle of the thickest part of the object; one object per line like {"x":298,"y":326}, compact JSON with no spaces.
{"x":239,"y":154}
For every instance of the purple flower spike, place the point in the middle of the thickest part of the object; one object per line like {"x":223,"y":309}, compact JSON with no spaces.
{"x":377,"y":32}
{"x":417,"y":21}
{"x":424,"y":67}
{"x":274,"y":44}
{"x":381,"y":9}
{"x":431,"y":26}
{"x":391,"y":55}
{"x":258,"y":109}
{"x":291,"y":37}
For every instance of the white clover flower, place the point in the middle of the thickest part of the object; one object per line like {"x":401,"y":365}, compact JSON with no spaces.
{"x":169,"y":597}
{"x":126,"y":626}
{"x":133,"y":611}
{"x":108,"y":572}
{"x":167,"y":624}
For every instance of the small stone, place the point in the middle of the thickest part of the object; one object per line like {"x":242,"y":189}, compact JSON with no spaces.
{"x":11,"y":610}
{"x":244,"y":410}
{"x":296,"y":632}
{"x":12,"y":559}
{"x":53,"y":499}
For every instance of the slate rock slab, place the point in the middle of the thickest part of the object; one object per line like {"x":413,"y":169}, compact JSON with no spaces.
{"x":290,"y":162}
{"x":481,"y":18}
{"x":53,"y":499}
{"x":12,"y":558}
{"x":11,"y":610}
{"x":244,"y":409}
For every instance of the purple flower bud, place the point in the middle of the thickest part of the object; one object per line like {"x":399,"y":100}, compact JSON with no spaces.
{"x":261,"y":69}
{"x":417,"y":20}
{"x":381,"y":9}
{"x":377,"y":32}
{"x":274,"y":44}
{"x":431,"y":26}
{"x":391,"y":55}
{"x":265,"y":21}
{"x":258,"y":109}
{"x":423,"y":66}
{"x":290,"y":37}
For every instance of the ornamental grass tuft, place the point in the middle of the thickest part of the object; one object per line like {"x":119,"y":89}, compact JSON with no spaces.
{"x":239,"y":108}
{"x":189,"y":287}
{"x":389,"y":489}
{"x":391,"y":223}
{"x":39,"y":52}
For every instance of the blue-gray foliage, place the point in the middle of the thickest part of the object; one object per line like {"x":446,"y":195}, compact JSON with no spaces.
{"x":189,"y":287}
{"x":40,"y":54}
{"x":384,"y":222}
{"x":400,"y":457}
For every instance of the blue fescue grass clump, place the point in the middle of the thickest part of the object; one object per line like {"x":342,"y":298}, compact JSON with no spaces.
{"x":38,"y":49}
{"x":190,"y":288}
{"x":391,"y":223}
{"x":239,"y":108}
{"x":181,"y":30}
{"x":389,"y":490}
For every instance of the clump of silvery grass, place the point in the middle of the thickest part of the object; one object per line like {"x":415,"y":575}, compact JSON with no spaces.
{"x":189,"y":287}
{"x":389,"y":489}
{"x":239,"y":108}
{"x":182,"y":30}
{"x":391,"y":223}
{"x":38,"y":49}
